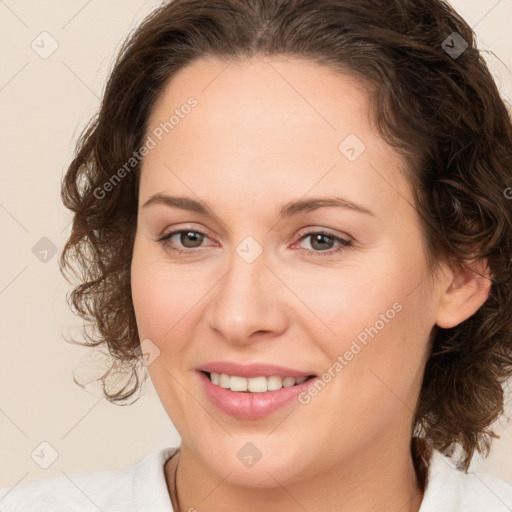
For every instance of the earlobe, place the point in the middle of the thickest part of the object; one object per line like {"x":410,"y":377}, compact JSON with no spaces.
{"x":465,"y":292}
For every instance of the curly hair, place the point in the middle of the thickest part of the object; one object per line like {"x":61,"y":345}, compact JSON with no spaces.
{"x":440,"y":110}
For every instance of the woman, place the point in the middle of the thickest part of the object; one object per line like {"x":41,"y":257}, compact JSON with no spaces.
{"x":294,"y":213}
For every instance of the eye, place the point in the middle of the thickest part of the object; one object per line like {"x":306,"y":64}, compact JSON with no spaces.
{"x":189,"y":238}
{"x":323,"y":241}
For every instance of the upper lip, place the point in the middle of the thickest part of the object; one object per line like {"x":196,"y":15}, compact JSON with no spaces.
{"x":252,"y":370}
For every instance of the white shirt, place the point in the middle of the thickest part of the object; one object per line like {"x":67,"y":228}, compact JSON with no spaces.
{"x":142,"y":488}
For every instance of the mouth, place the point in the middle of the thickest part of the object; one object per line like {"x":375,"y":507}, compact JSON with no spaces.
{"x":260,"y":384}
{"x":253,"y":396}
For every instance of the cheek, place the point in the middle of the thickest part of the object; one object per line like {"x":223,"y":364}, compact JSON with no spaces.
{"x":162,"y":296}
{"x":381,"y":295}
{"x":163,"y":301}
{"x":345,"y":303}
{"x":384,"y":356}
{"x":375,"y":322}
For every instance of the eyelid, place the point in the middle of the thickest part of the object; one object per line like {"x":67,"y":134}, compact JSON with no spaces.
{"x":177,"y":229}
{"x":166,"y":236}
{"x":325,"y":231}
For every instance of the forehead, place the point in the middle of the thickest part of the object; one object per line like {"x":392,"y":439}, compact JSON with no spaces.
{"x":277,"y":93}
{"x":264,"y":124}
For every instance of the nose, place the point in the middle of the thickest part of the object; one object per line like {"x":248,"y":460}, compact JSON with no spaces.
{"x":247,"y":303}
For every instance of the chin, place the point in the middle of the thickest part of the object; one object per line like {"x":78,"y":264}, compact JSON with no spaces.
{"x":256,"y":462}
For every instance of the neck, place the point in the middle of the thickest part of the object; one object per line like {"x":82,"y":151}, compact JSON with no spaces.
{"x":368,"y":481}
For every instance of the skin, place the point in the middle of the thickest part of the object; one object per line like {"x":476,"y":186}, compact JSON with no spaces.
{"x":265,"y":132}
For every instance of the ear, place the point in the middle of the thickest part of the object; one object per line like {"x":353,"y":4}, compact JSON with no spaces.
{"x":463,"y":292}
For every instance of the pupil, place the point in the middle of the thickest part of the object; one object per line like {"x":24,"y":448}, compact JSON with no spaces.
{"x":319,"y":237}
{"x":186,"y":236}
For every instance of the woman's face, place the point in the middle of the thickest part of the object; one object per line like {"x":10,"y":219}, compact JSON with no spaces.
{"x":260,"y":146}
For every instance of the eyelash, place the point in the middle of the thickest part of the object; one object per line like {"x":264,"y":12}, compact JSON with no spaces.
{"x":343,"y":243}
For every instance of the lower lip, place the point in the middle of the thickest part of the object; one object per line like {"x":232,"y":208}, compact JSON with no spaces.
{"x":250,"y":406}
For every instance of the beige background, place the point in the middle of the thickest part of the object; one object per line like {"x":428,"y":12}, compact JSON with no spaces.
{"x":44,"y":104}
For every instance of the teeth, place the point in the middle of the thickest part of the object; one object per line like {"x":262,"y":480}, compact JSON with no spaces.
{"x":238,"y":384}
{"x":253,"y":384}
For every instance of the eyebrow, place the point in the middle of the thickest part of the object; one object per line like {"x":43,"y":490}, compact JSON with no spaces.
{"x":287,"y":210}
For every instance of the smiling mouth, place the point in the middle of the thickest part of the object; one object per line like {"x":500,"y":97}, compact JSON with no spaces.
{"x":259,"y":384}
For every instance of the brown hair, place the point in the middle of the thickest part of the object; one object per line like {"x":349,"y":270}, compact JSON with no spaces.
{"x":441,"y":111}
